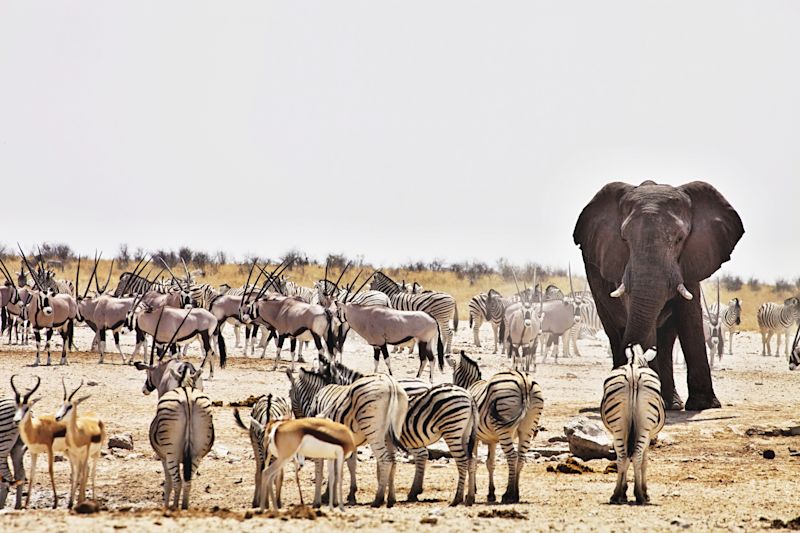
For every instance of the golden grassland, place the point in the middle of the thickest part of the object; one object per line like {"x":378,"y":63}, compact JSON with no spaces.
{"x":460,"y":287}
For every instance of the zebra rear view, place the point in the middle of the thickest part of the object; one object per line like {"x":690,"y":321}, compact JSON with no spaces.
{"x":182,"y":433}
{"x":633,"y":412}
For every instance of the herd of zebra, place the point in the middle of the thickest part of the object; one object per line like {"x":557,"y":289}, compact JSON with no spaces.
{"x":377,"y":410}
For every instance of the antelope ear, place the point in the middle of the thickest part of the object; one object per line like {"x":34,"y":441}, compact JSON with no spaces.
{"x":140,"y":366}
{"x":649,"y":355}
{"x":32,"y":402}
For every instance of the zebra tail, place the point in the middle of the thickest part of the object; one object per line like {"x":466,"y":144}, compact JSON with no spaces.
{"x":187,"y":437}
{"x":502,"y":333}
{"x":398,"y":408}
{"x":440,"y":348}
{"x":223,"y":352}
{"x":470,"y":321}
{"x":238,"y":418}
{"x":495,"y":415}
{"x":455,"y":319}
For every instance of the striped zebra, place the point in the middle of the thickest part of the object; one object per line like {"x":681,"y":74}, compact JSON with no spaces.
{"x":794,"y":358}
{"x":10,"y":445}
{"x":445,"y":411}
{"x":373,"y":408}
{"x":182,"y":433}
{"x":633,"y":412}
{"x":131,"y":284}
{"x":509,"y":407}
{"x":777,"y":319}
{"x":730,"y":317}
{"x":440,"y":305}
{"x":482,"y":309}
{"x":279,"y":409}
{"x":477,"y":316}
{"x":304,"y":293}
{"x":587,"y":324}
{"x":327,"y":291}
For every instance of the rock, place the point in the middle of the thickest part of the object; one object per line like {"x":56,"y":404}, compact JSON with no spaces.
{"x":91,"y":383}
{"x":86,"y":507}
{"x":558,"y":438}
{"x":218,"y":452}
{"x":123,"y":441}
{"x":588,"y":439}
{"x":570,"y":375}
{"x":769,"y":454}
{"x":680,"y":522}
{"x":432,"y":520}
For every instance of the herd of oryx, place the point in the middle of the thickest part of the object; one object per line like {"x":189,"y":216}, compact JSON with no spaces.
{"x":333,"y":409}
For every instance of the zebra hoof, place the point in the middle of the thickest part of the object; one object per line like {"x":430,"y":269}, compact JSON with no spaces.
{"x":510,"y":498}
{"x":456,"y":501}
{"x":618,"y":500}
{"x":412,"y":497}
{"x":490,"y":498}
{"x":377,"y":502}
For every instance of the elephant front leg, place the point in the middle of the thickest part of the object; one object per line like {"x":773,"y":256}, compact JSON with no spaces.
{"x":665,"y":341}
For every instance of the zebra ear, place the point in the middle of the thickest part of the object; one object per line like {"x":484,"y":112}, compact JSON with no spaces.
{"x":598,"y":233}
{"x":649,"y":355}
{"x":716,"y":228}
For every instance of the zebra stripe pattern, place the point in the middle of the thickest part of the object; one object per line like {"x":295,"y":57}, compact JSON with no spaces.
{"x":373,"y":408}
{"x":509,"y":407}
{"x":633,"y":412}
{"x":477,"y":315}
{"x":440,"y":305}
{"x":445,"y":411}
{"x":182,"y":433}
{"x":279,"y":409}
{"x":777,"y":319}
{"x":10,"y":445}
{"x":731,"y":318}
{"x":326,"y":291}
{"x":131,"y":284}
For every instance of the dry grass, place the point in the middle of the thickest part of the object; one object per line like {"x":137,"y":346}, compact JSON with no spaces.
{"x":460,"y":287}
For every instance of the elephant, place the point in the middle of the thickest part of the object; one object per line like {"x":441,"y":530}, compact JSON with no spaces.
{"x":645,"y":250}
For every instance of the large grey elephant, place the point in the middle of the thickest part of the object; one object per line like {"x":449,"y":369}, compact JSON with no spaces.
{"x":646,"y":249}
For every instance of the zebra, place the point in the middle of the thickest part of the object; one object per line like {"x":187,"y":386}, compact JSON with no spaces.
{"x":304,"y":293}
{"x":730,"y":317}
{"x":509,"y":406}
{"x":181,"y":433}
{"x":373,"y":408}
{"x":487,"y":307}
{"x":327,"y":292}
{"x":10,"y":445}
{"x":633,"y":412}
{"x":794,"y":358}
{"x":477,"y":316}
{"x":445,"y":411}
{"x":132,"y":284}
{"x":776,"y":319}
{"x":279,"y":409}
{"x":440,"y":305}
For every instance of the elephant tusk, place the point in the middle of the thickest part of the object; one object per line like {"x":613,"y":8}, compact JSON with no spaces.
{"x":684,"y":292}
{"x":619,"y":292}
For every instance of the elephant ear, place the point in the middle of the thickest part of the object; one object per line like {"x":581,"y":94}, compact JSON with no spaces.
{"x":598,"y":233}
{"x":716,"y":228}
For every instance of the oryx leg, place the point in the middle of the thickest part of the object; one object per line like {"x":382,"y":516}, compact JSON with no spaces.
{"x":119,"y":348}
{"x":279,"y":345}
{"x":318,"y":345}
{"x":47,"y":338}
{"x":101,"y":344}
{"x":385,"y":351}
{"x":37,"y":336}
{"x":64,"y":343}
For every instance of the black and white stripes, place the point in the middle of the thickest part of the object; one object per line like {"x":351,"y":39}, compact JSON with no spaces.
{"x":777,"y":319}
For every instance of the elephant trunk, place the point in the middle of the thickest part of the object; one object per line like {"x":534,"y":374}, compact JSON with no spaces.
{"x":645,"y":302}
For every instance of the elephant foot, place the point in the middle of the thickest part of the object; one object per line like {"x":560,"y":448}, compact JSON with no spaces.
{"x":676,"y":404}
{"x":699,"y":403}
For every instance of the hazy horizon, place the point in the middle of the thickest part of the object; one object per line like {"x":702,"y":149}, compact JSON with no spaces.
{"x":394,"y":130}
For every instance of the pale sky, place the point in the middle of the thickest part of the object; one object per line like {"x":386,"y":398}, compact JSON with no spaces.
{"x":397,"y":130}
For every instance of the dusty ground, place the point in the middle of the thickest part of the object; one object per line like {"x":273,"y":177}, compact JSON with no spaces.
{"x":706,"y":474}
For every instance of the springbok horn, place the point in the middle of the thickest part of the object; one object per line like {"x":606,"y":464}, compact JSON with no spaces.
{"x":33,"y":274}
{"x":64,"y":385}
{"x":684,"y":292}
{"x":14,"y":388}
{"x":76,"y":390}
{"x":619,"y":292}
{"x":30,"y":392}
{"x":718,"y":306}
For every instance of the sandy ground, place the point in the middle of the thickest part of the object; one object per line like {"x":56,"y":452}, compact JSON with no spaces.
{"x":706,"y":473}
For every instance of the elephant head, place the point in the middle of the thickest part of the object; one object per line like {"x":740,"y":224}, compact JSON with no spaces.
{"x":650,"y":241}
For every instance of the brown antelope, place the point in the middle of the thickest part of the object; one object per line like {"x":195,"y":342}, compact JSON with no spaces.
{"x":41,"y":434}
{"x":85,"y":437}
{"x":316,"y":438}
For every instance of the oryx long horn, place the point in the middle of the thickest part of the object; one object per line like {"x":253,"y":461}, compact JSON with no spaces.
{"x":516,"y":284}
{"x":535,"y":272}
{"x":571,"y":290}
{"x":174,"y":335}
{"x":350,"y":286}
{"x":188,"y":276}
{"x":619,"y":291}
{"x":108,"y":279}
{"x":170,"y":272}
{"x":275,"y":276}
{"x":327,"y":262}
{"x":247,"y":283}
{"x":27,"y":264}
{"x":92,"y":275}
{"x":363,"y":284}
{"x":270,"y":278}
{"x":342,"y":274}
{"x":683,"y":291}
{"x":77,"y":276}
{"x":96,"y":278}
{"x":718,"y":306}
{"x":6,"y":272}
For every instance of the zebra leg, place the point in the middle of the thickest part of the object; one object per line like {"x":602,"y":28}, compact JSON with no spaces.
{"x":511,"y":495}
{"x":351,"y":466}
{"x":730,"y":342}
{"x":621,"y":489}
{"x":639,"y":482}
{"x":495,"y":334}
{"x":420,"y":460}
{"x":175,"y":473}
{"x":237,"y":333}
{"x":767,"y":344}
{"x":17,"y":461}
{"x":476,"y":326}
{"x":455,"y":443}
{"x":490,"y":463}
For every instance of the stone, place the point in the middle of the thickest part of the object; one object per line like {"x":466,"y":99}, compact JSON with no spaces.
{"x":769,"y":454}
{"x":588,"y":439}
{"x":123,"y":441}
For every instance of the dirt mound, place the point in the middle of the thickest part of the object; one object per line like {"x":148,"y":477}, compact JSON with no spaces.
{"x":250,"y":401}
{"x":511,"y":514}
{"x":570,"y":465}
